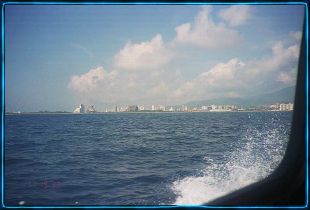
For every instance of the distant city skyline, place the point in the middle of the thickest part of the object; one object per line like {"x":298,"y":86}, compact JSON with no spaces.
{"x":90,"y":109}
{"x":59,"y":56}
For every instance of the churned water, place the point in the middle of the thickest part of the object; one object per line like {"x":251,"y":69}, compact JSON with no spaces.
{"x":138,"y":158}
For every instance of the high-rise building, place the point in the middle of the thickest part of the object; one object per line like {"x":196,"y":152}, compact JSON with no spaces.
{"x":290,"y":106}
{"x":213,"y":107}
{"x":275,"y":106}
{"x":161,"y":108}
{"x":122,"y":109}
{"x":132,"y":108}
{"x":286,"y":107}
{"x":80,"y":109}
{"x":141,"y":108}
{"x":184,"y":108}
{"x":204,"y":108}
{"x":91,"y":109}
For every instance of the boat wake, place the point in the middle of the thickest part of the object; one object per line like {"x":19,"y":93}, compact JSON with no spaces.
{"x":258,"y":157}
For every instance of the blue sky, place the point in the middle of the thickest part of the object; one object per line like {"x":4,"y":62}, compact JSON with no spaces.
{"x":57,"y":56}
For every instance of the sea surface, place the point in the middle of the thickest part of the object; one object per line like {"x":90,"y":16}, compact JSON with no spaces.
{"x":138,"y":158}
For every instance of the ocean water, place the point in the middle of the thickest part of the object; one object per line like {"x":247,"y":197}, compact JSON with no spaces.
{"x":138,"y":158}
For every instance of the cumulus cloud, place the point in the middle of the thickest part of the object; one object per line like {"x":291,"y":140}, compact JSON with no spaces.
{"x":237,"y":78}
{"x":285,"y":78}
{"x":233,"y":78}
{"x":122,"y":87}
{"x":222,"y":80}
{"x":143,"y":56}
{"x":289,"y":77}
{"x":88,"y":81}
{"x":296,"y":35}
{"x":222,"y":73}
{"x":281,"y":56}
{"x":204,"y":32}
{"x":140,"y":72}
{"x":236,"y":15}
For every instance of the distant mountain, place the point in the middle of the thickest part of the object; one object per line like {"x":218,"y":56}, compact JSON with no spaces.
{"x":282,"y":96}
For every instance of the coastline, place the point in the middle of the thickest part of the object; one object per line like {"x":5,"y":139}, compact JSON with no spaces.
{"x":145,"y":112}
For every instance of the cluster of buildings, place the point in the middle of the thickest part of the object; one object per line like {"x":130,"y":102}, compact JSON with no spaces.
{"x":158,"y":108}
{"x":82,"y":109}
{"x":152,"y":108}
{"x":282,"y":107}
{"x":183,"y":108}
{"x":217,"y":108}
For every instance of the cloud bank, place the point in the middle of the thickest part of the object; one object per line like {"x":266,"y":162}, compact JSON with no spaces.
{"x":143,"y":56}
{"x":236,"y":15}
{"x":141,"y":72}
{"x":204,"y":32}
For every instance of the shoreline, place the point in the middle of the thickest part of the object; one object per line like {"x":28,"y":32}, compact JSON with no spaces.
{"x":146,"y":112}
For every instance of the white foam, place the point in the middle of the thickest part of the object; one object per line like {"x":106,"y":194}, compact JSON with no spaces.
{"x":260,"y":155}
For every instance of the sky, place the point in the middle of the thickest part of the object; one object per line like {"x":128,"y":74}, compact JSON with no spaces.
{"x":58,"y":56}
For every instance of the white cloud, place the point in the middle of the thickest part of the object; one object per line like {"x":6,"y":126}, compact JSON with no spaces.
{"x":233,"y":78}
{"x":122,"y":86}
{"x":281,"y":56}
{"x":288,"y":78}
{"x":223,"y":74}
{"x":222,"y":80}
{"x":141,"y":75}
{"x":236,"y":15}
{"x":296,"y":35}
{"x":88,"y":81}
{"x":280,"y":60}
{"x":285,"y":78}
{"x":143,"y":56}
{"x":204,"y":32}
{"x":239,"y":78}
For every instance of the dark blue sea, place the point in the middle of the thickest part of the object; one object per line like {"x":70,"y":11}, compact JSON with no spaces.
{"x":138,"y":158}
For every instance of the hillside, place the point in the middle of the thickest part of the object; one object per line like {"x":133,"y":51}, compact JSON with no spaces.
{"x":284,"y":95}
